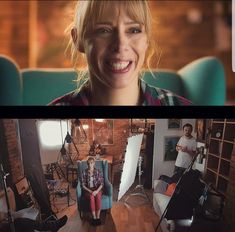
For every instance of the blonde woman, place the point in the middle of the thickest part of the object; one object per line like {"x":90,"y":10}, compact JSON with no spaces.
{"x":115,"y":37}
{"x":92,"y":184}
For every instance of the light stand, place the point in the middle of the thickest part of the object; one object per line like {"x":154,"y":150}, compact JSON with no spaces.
{"x":9,"y":216}
{"x":139,"y":189}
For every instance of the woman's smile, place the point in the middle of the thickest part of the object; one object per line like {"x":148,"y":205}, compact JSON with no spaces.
{"x":119,"y":66}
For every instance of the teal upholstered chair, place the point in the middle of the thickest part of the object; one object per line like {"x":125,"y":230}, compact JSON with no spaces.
{"x":107,"y":196}
{"x":10,"y":82}
{"x":201,"y":81}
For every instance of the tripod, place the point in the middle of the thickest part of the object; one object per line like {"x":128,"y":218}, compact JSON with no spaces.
{"x":139,"y":189}
{"x":9,"y":216}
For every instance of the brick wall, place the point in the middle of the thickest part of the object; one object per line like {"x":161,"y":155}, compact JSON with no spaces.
{"x":120,"y":135}
{"x":14,"y":31}
{"x":180,"y":41}
{"x":11,"y":133}
{"x":14,"y":148}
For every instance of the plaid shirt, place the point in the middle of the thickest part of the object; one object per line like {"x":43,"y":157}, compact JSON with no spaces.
{"x":97,"y":181}
{"x":152,"y":97}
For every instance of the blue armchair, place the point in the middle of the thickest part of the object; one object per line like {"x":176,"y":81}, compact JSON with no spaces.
{"x":202,"y":81}
{"x":107,"y":196}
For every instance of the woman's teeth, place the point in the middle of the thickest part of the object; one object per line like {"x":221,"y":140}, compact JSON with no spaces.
{"x":119,"y":65}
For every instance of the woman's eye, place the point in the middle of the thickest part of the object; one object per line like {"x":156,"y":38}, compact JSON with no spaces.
{"x":135,"y":30}
{"x":103,"y":30}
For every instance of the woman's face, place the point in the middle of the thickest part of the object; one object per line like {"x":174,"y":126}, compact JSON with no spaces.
{"x":115,"y":48}
{"x":91,"y":164}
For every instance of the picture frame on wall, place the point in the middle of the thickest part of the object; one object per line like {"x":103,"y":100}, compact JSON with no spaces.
{"x":170,"y":153}
{"x":103,"y":131}
{"x":138,"y":125}
{"x":174,"y":123}
{"x":200,"y":129}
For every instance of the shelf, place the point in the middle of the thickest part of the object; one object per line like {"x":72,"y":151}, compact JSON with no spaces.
{"x":222,"y":184}
{"x":213,"y":155}
{"x":224,"y":177}
{"x":224,"y":168}
{"x":216,"y":139}
{"x":229,"y":132}
{"x":220,"y":154}
{"x":210,"y":177}
{"x":217,"y":130}
{"x":227,"y":141}
{"x":231,"y":120}
{"x":213,"y":162}
{"x":227,"y":150}
{"x":228,"y":160}
{"x":218,"y":120}
{"x":212,"y":170}
{"x":215,"y":147}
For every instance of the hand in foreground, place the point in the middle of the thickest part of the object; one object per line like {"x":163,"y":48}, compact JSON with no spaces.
{"x":184,"y":149}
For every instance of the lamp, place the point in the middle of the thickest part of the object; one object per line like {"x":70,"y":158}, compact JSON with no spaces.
{"x":68,"y":138}
{"x":63,"y":150}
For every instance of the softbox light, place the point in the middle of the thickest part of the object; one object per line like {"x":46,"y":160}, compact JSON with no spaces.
{"x":130,"y":164}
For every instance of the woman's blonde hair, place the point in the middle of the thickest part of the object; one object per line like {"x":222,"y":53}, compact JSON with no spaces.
{"x":88,"y":12}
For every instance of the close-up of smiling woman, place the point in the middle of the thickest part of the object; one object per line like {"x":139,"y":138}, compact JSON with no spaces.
{"x":115,"y":37}
{"x":116,"y":53}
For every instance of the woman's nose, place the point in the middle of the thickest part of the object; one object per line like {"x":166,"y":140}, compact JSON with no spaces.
{"x":119,"y":42}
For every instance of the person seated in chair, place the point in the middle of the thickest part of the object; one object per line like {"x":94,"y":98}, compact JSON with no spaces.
{"x":96,"y":149}
{"x":92,"y":184}
{"x":29,"y":225}
{"x":116,"y":52}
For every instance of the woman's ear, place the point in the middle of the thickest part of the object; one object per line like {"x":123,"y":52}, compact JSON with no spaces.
{"x":74,"y":35}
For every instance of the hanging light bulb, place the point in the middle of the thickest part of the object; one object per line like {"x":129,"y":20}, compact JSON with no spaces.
{"x":68,"y":138}
{"x":63,"y":150}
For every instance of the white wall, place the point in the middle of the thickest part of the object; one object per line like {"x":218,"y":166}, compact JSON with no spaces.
{"x":50,"y":154}
{"x":161,"y":167}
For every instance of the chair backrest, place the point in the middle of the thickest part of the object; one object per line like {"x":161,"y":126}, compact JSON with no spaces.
{"x":10,"y":82}
{"x":41,"y":86}
{"x":202,"y":81}
{"x":102,"y":165}
{"x":165,"y":79}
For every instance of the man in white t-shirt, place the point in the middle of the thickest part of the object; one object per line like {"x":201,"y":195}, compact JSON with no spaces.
{"x":186,"y":148}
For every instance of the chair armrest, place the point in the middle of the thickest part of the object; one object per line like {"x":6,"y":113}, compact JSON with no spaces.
{"x":79,"y":190}
{"x":108,"y":188}
{"x":159,"y":186}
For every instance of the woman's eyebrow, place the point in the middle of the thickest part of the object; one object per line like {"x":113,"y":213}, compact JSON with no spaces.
{"x":110,"y":23}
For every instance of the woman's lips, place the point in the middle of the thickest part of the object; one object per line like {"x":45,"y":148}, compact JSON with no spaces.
{"x":119,"y":66}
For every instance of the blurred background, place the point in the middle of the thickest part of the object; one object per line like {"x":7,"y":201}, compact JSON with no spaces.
{"x":33,"y":33}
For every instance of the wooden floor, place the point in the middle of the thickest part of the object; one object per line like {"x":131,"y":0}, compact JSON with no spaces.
{"x":136,"y":216}
{"x":122,"y":218}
